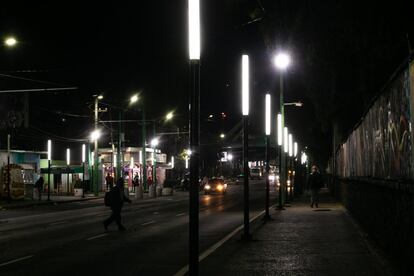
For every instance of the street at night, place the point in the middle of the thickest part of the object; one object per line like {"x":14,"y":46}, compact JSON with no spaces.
{"x":207,"y":137}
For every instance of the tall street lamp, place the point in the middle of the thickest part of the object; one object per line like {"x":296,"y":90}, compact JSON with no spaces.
{"x":280,"y":150}
{"x":134,"y":99}
{"x":282,"y":62}
{"x":245,"y":113}
{"x":95,"y":135}
{"x":285,"y":156}
{"x":83,"y":169}
{"x":194,"y":58}
{"x":49,"y":159}
{"x":68,"y":164}
{"x":154,"y":144}
{"x":267,"y":132}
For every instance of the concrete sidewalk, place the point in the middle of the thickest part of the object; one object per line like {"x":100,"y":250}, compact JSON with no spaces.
{"x":300,"y":241}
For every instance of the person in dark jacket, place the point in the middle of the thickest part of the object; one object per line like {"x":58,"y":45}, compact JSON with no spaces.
{"x":117,"y":200}
{"x":39,"y":186}
{"x":315,"y":183}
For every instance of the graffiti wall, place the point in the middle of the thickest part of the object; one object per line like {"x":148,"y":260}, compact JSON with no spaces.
{"x":381,"y":145}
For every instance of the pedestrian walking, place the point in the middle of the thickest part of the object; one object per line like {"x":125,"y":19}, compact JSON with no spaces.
{"x":39,"y":187}
{"x":109,"y":182}
{"x":117,"y":198}
{"x":315,"y":183}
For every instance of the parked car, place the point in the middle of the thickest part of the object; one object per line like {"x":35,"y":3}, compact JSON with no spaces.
{"x":215,"y":185}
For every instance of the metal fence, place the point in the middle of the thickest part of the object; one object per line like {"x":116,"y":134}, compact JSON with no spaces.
{"x":381,"y":144}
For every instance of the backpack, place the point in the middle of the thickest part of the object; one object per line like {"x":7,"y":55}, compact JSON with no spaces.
{"x":107,"y":198}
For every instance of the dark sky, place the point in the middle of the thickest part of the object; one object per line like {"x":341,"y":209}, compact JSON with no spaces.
{"x":343,"y":52}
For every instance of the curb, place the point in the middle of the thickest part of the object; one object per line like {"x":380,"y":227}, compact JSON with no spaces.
{"x":45,"y":202}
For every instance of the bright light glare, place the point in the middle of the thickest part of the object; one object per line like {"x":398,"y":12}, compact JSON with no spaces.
{"x":140,"y":156}
{"x":132,"y":163}
{"x":186,"y":163}
{"x":100,"y":97}
{"x":279,"y":130}
{"x":290,"y":145}
{"x":230,"y":157}
{"x":295,"y":149}
{"x":92,"y":158}
{"x":154,"y":142}
{"x":189,"y":152}
{"x":169,"y":116}
{"x":68,"y":157}
{"x":222,"y":136}
{"x":245,"y":85}
{"x":172,"y":162}
{"x":134,"y":99}
{"x":10,"y":41}
{"x":49,"y":150}
{"x":282,"y":61}
{"x":304,"y":158}
{"x":285,"y":140}
{"x":95,"y":135}
{"x":268,"y":112}
{"x":114,"y":161}
{"x":83,"y":153}
{"x":194,"y":28}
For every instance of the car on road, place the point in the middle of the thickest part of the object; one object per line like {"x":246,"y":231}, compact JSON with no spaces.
{"x":215,"y":185}
{"x":239,"y":179}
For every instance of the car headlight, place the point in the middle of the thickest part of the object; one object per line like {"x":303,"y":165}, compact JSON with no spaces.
{"x":207,"y":187}
{"x":225,"y":185}
{"x":219,"y":187}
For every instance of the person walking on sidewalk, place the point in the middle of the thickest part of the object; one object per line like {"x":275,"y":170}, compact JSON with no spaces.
{"x":39,"y":187}
{"x":109,"y":182}
{"x":117,"y":199}
{"x":315,"y":183}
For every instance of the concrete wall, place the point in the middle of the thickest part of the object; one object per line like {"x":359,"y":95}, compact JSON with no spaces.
{"x":385,"y":210}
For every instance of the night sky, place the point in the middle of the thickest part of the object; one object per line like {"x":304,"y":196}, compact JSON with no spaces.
{"x":343,"y":53}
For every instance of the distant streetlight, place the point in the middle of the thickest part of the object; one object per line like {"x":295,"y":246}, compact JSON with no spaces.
{"x":134,"y":99}
{"x":282,"y":61}
{"x":267,"y":132}
{"x":95,"y":135}
{"x":285,"y":140}
{"x":68,"y":157}
{"x":10,"y":42}
{"x":83,"y":168}
{"x":298,"y":104}
{"x":189,"y":152}
{"x":67,"y":164}
{"x":295,"y":149}
{"x":154,"y":142}
{"x":100,"y":97}
{"x":49,"y":160}
{"x":230,"y":157}
{"x":169,"y":116}
{"x":222,"y":136}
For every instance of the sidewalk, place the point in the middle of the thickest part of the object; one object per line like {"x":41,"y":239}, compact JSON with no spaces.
{"x":300,"y":241}
{"x":16,"y":204}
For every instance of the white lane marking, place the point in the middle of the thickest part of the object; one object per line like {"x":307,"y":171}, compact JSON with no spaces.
{"x":58,"y":222}
{"x":16,"y":260}
{"x":147,"y":223}
{"x":96,"y":237}
{"x":180,"y":214}
{"x":215,"y":246}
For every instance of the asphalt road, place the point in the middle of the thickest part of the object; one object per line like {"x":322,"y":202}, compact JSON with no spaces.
{"x":69,"y":239}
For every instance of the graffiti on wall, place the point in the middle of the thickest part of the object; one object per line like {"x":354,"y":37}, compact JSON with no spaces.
{"x":380,"y":146}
